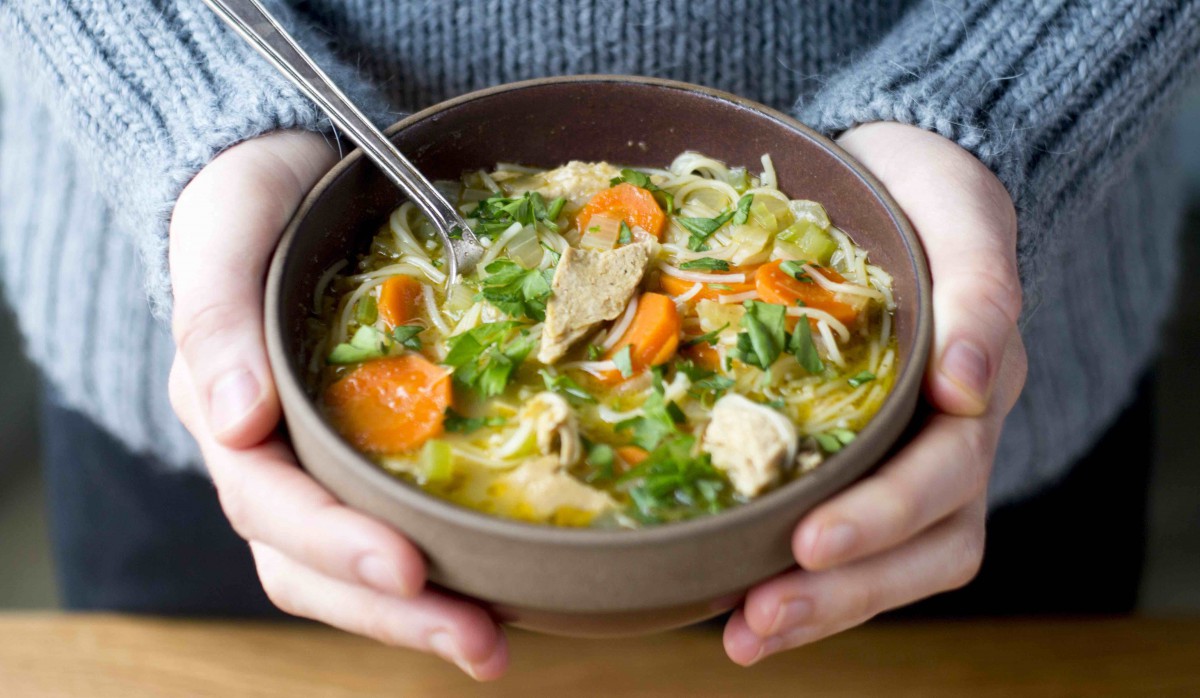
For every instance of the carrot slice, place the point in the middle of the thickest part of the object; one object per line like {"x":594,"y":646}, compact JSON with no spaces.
{"x":634,"y":205}
{"x":390,"y":405}
{"x":703,"y":355}
{"x":677,"y":287}
{"x":633,"y":455}
{"x":653,"y":336}
{"x":400,"y":300}
{"x":777,"y":286}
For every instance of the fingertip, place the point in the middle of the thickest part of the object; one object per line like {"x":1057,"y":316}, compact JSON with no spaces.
{"x":742,"y":645}
{"x":243,"y":410}
{"x":495,"y":665}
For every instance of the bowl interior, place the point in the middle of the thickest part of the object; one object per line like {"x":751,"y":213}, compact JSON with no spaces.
{"x":629,"y":121}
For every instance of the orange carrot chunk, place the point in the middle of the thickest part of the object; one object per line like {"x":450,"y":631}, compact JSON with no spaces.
{"x":634,"y":205}
{"x":652,"y":337}
{"x":390,"y":405}
{"x":703,"y":355}
{"x":400,"y":300}
{"x":777,"y":286}
{"x":632,"y":455}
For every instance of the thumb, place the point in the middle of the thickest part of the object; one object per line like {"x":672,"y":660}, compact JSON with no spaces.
{"x":224,"y":228}
{"x":967,"y":225}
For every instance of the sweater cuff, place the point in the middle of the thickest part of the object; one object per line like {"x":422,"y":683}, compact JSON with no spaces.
{"x":152,"y":92}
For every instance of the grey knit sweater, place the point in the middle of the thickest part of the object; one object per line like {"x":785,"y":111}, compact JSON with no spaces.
{"x":110,"y":106}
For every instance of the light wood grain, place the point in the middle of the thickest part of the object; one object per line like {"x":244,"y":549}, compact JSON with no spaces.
{"x":60,"y":656}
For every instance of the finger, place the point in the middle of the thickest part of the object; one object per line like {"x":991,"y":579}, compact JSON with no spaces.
{"x":455,"y":630}
{"x":802,"y":607}
{"x":946,"y":466}
{"x":967,"y":225}
{"x":268,"y":499}
{"x":223,"y":230}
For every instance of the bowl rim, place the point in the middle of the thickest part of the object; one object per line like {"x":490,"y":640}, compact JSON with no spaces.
{"x":908,"y":380}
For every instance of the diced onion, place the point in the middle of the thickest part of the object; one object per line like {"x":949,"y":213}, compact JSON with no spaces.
{"x":601,"y":234}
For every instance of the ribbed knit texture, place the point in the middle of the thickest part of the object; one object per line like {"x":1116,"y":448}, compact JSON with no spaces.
{"x":110,"y":107}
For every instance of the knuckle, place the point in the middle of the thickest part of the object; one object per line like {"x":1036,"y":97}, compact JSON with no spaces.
{"x":866,"y":601}
{"x":195,"y":327}
{"x":902,"y":507}
{"x":236,"y":505}
{"x":999,"y":289}
{"x":967,"y":556}
{"x":975,"y":444}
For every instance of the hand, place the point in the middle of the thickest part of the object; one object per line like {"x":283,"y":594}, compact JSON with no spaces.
{"x":315,"y":557}
{"x":916,"y":526}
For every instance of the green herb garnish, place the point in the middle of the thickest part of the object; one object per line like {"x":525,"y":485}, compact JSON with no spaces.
{"x":640,"y":179}
{"x":709,"y":338}
{"x":624,"y":234}
{"x":705,"y":264}
{"x":743,"y":209}
{"x":515,"y":290}
{"x":367,"y":343}
{"x":601,"y":457}
{"x":672,"y":483}
{"x":834,"y":440}
{"x":860,"y":378}
{"x":565,"y":385}
{"x":406,"y":336}
{"x":498,"y":213}
{"x":795,"y":270}
{"x":455,"y":422}
{"x":764,"y":336}
{"x":801,"y":344}
{"x":624,"y":361}
{"x":594,"y":352}
{"x":481,"y":359}
{"x":659,"y":420}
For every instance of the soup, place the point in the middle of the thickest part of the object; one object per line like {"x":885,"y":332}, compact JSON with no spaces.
{"x":637,"y":346}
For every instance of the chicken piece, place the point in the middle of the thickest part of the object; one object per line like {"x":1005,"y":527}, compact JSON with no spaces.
{"x":750,"y":442}
{"x":590,"y":288}
{"x":556,"y":427}
{"x":576,"y":181}
{"x":547,"y":490}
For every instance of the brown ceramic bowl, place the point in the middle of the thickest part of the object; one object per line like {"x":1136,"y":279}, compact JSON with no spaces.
{"x":573,"y":581}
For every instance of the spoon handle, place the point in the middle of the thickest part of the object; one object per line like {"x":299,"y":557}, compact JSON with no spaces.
{"x":249,"y":19}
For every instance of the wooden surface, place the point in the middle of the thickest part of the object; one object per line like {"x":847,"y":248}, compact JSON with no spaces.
{"x":50,"y":656}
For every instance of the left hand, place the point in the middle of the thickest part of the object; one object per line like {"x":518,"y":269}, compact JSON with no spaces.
{"x":915,"y":527}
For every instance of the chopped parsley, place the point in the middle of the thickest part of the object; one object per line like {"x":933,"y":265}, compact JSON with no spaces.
{"x":743,"y":209}
{"x":640,"y":179}
{"x":565,"y":385}
{"x":498,"y":213}
{"x":705,"y":264}
{"x":659,"y":420}
{"x":707,"y":385}
{"x":795,"y":270}
{"x":594,"y":352}
{"x":673,"y":483}
{"x":624,"y":234}
{"x":624,"y":360}
{"x":369,"y":343}
{"x":861,"y":378}
{"x":601,"y":457}
{"x":455,"y":422}
{"x":483,"y":361}
{"x":764,"y":334}
{"x":406,"y":336}
{"x":517,"y":291}
{"x":801,"y":344}
{"x":703,"y":228}
{"x":709,"y":338}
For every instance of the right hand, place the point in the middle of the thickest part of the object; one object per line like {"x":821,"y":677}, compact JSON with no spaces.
{"x":315,"y":557}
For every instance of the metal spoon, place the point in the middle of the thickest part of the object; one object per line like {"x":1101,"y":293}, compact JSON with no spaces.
{"x":249,"y":19}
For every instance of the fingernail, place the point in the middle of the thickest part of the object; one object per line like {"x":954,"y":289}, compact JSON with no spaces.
{"x":381,"y":574}
{"x":790,"y":614}
{"x":768,"y":647}
{"x":443,"y":646}
{"x":834,"y":542}
{"x":233,"y":396}
{"x":967,"y":366}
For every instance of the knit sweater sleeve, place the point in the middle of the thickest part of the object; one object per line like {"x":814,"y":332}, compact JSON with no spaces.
{"x":151,"y":91}
{"x":1053,"y":95}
